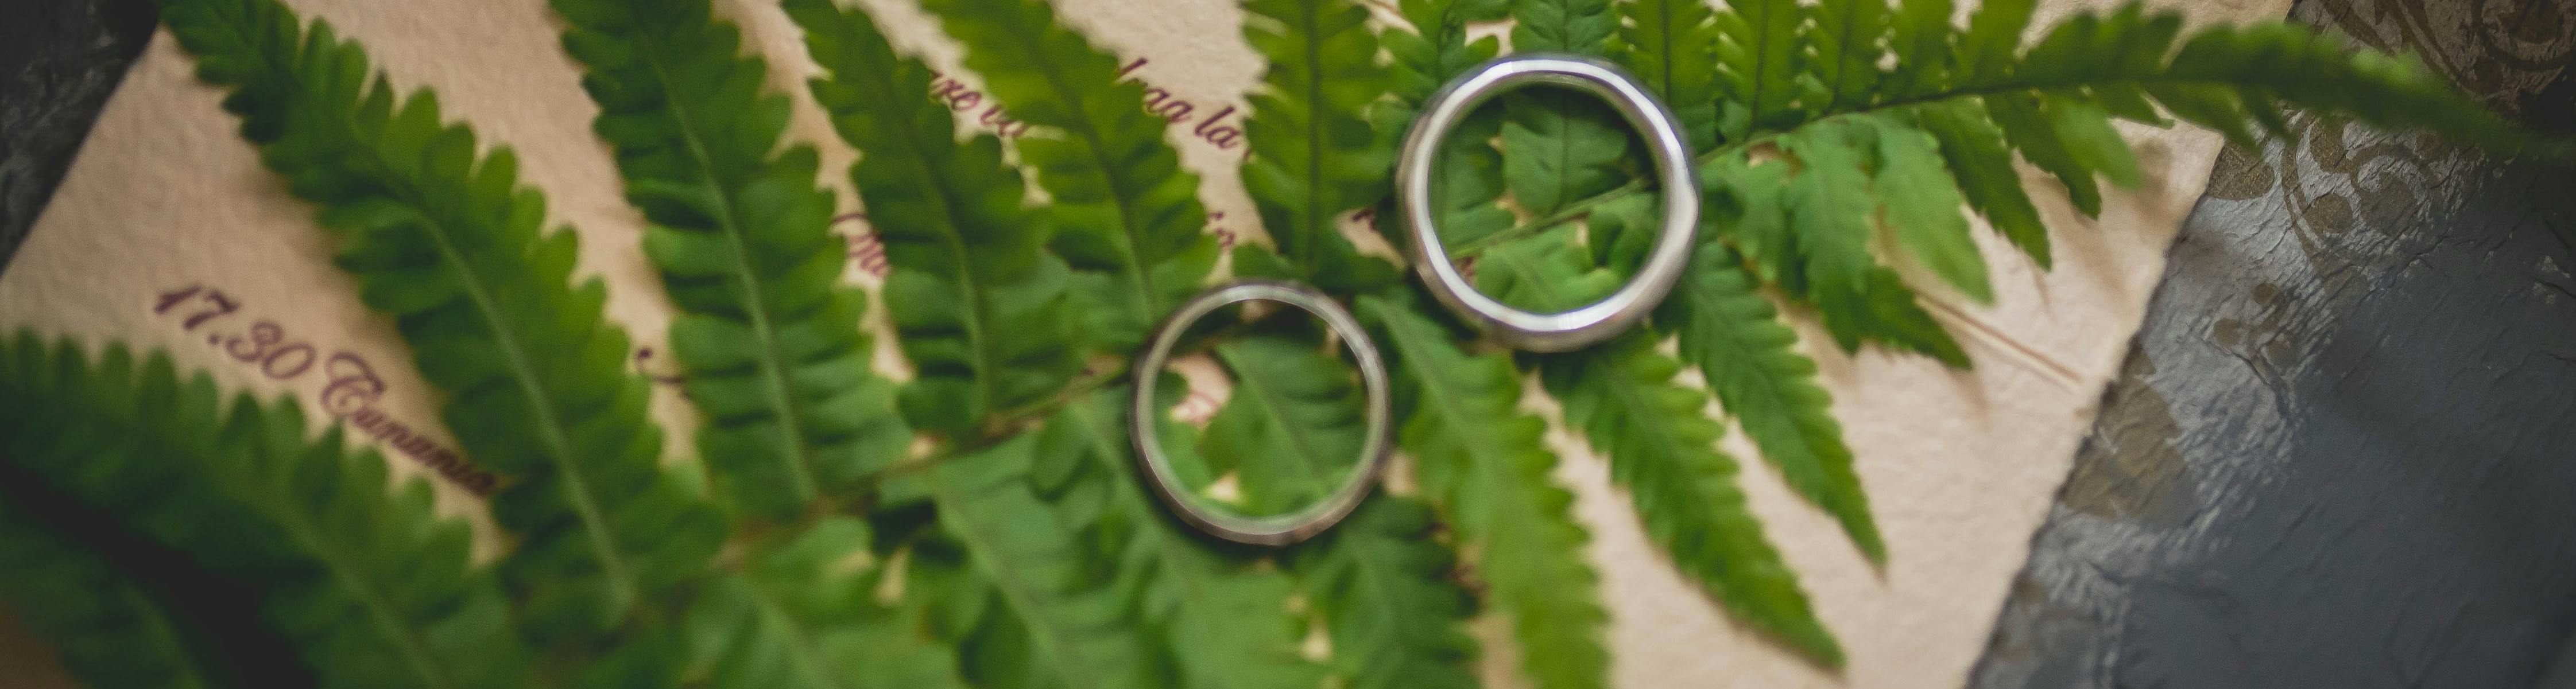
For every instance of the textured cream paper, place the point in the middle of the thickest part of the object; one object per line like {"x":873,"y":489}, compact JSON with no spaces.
{"x":1960,"y":466}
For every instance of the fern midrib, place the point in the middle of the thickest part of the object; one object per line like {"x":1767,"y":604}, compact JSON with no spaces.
{"x":612,"y":564}
{"x":1491,"y":468}
{"x":1449,"y":401}
{"x":163,"y":631}
{"x":1665,"y":37}
{"x":1378,"y":573}
{"x":1272,"y":407}
{"x":1166,"y":551}
{"x":773,"y":378}
{"x":1311,"y":57}
{"x":803,"y":652}
{"x":1080,"y":124}
{"x":576,"y":486}
{"x":1768,"y":389}
{"x":951,"y":235}
{"x":1842,"y":62}
{"x":1762,"y":49}
{"x":380,"y":610}
{"x":1648,"y":422}
{"x":1578,"y":209}
{"x":1033,"y":613}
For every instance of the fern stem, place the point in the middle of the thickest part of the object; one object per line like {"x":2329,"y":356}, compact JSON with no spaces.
{"x":622,"y":587}
{"x":1311,"y":26}
{"x":1270,"y":402}
{"x":791,"y":435}
{"x":978,"y":510}
{"x":380,"y":609}
{"x":1096,"y":145}
{"x":1578,"y":209}
{"x":803,"y":653}
{"x":1082,"y":387}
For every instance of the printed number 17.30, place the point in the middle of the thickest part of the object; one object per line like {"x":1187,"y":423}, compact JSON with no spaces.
{"x":223,"y":305}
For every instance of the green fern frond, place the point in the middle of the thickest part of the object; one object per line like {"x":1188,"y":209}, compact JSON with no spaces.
{"x":1485,"y":462}
{"x":1292,"y":429}
{"x":1660,"y":441}
{"x":369,"y":587}
{"x":1565,"y":26}
{"x":1127,"y":214}
{"x":1661,"y":445}
{"x":1028,"y":598}
{"x":776,"y":362}
{"x":106,"y":628}
{"x":1313,"y":156}
{"x":1925,"y":46}
{"x":1218,"y":621}
{"x":1920,"y":203}
{"x":1759,"y":60}
{"x":1993,"y":37}
{"x":445,"y":240}
{"x":1381,"y":580}
{"x":1751,"y":360}
{"x":1433,"y":46}
{"x":1844,"y":44}
{"x":1983,"y":168}
{"x":1980,"y":95}
{"x":978,"y":300}
{"x":802,"y":615}
{"x":1831,"y":208}
{"x":1558,"y":146}
{"x":1672,"y":45}
{"x":1467,"y":179}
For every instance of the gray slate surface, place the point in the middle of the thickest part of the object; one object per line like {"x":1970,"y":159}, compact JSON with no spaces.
{"x":59,"y":59}
{"x":2343,"y":450}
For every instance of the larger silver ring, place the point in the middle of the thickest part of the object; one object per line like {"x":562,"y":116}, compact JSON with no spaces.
{"x":1275,"y":530}
{"x":1549,"y":332}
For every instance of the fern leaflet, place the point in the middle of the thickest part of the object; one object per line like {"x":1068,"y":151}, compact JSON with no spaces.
{"x":1844,"y":47}
{"x":979,"y":301}
{"x":1380,"y":579}
{"x":449,"y":245}
{"x":1028,"y":605}
{"x":1672,"y":44}
{"x":776,"y":361}
{"x":1312,"y":155}
{"x":1566,"y":26}
{"x":1292,"y":431}
{"x":1661,"y":443}
{"x":1484,"y":461}
{"x":801,"y":615}
{"x":1127,"y":215}
{"x":1751,"y":361}
{"x":1219,"y":621}
{"x":1974,"y":150}
{"x":1758,"y":60}
{"x":367,"y":585}
{"x":108,"y":629}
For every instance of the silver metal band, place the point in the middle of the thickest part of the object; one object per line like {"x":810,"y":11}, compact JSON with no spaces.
{"x":1276,"y":530}
{"x":1550,"y":332}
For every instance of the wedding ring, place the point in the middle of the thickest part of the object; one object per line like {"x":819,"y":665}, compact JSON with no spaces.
{"x":1549,"y":332}
{"x":1278,"y":530}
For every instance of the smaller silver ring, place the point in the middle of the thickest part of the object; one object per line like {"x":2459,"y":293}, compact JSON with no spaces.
{"x":1278,"y":530}
{"x":1550,"y":332}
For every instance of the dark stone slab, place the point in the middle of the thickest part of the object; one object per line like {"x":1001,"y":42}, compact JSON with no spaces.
{"x":2343,"y":451}
{"x":59,"y":60}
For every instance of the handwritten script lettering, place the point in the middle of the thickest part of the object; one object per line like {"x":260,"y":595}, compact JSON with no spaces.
{"x":1158,"y":100}
{"x":350,"y":386}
